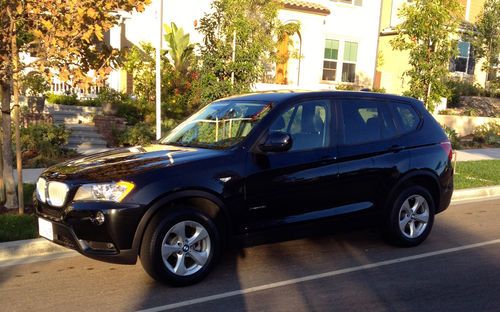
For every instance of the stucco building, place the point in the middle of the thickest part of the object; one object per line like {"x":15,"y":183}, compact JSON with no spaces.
{"x":392,"y":64}
{"x":337,"y":42}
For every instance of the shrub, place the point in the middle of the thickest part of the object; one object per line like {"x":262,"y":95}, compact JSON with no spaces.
{"x":453,"y":136}
{"x":62,"y":99}
{"x":463,"y":88}
{"x":446,"y":112}
{"x":34,"y":84}
{"x":488,"y":134}
{"x":90,"y":102}
{"x":42,"y":144}
{"x":169,"y":124}
{"x":139,"y":134}
{"x":379,"y":90}
{"x":345,"y":87}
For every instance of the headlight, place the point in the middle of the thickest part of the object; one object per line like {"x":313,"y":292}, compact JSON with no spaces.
{"x":41,"y":188}
{"x":57,"y":192}
{"x":115,"y":191}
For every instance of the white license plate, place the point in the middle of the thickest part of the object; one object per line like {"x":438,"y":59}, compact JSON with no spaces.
{"x":45,"y":229}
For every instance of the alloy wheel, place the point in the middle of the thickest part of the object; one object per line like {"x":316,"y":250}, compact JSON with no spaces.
{"x":413,"y":216}
{"x":186,"y":248}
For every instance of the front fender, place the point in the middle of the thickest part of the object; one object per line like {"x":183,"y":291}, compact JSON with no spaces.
{"x":163,"y":202}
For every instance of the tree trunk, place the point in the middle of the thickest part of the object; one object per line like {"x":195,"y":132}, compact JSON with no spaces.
{"x":15,"y":79}
{"x":2,"y":185}
{"x":10,"y":184}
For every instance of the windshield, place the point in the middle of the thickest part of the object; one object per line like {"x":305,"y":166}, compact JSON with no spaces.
{"x":219,"y":125}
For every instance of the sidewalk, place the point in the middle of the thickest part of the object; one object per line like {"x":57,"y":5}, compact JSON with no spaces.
{"x":478,"y":154}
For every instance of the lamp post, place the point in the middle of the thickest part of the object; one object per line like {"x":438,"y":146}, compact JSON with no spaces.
{"x":158,"y":70}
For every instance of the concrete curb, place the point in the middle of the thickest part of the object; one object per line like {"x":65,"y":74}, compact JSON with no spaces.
{"x":30,"y":248}
{"x":41,"y":247}
{"x":475,"y":193}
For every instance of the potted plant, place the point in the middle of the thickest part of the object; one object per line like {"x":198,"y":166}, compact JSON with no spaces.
{"x":35,"y":86}
{"x":110,"y":100}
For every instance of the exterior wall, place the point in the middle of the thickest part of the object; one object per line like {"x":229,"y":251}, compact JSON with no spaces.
{"x":464,"y":125}
{"x":312,"y":34}
{"x":144,"y":27}
{"x":346,"y":22}
{"x":391,"y":67}
{"x":395,"y":63}
{"x":358,"y":24}
{"x":391,"y":64}
{"x":475,"y":8}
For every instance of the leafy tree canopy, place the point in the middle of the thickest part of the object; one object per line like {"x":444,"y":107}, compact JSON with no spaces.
{"x":428,"y":31}
{"x":66,"y":35}
{"x":486,"y":38}
{"x":254,"y":23}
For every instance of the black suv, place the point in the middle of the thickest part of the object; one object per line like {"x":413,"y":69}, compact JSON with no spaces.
{"x":246,"y":164}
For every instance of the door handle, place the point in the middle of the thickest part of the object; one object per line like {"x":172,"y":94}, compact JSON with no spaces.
{"x":396,"y":148}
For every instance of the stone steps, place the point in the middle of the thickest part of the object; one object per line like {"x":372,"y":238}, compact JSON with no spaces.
{"x":72,"y":118}
{"x":75,"y":140}
{"x":51,"y":108}
{"x":84,"y":137}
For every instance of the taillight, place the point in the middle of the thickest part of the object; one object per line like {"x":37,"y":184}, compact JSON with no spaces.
{"x":446,"y":146}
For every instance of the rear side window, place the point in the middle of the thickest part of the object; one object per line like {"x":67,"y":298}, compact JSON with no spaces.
{"x":366,"y":121}
{"x":406,"y":117}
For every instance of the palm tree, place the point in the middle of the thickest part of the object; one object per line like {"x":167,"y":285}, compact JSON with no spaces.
{"x":179,"y":48}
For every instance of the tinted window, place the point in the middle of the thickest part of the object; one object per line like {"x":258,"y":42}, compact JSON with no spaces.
{"x":406,"y":117}
{"x":366,"y":121}
{"x":307,"y":123}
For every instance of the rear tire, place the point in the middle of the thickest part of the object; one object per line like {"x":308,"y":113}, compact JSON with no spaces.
{"x":409,"y":220}
{"x":180,"y":247}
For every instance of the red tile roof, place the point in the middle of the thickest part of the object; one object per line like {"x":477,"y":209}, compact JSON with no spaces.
{"x":306,"y":6}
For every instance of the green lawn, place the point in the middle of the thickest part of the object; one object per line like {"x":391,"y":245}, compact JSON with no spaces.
{"x":16,"y":227}
{"x":470,"y":174}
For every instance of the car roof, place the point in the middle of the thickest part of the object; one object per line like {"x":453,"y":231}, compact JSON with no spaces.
{"x":285,"y":95}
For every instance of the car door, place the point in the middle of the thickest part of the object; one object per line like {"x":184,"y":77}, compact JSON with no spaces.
{"x":370,"y":157}
{"x":287,"y":187}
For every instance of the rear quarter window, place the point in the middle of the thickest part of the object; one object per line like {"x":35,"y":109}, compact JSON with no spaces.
{"x":407,"y":118}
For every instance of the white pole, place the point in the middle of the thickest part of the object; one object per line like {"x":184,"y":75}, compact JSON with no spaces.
{"x":234,"y":56}
{"x":158,"y":71}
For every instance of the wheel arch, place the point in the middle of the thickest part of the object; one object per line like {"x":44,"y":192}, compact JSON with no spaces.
{"x":425,"y":178}
{"x":204,"y":201}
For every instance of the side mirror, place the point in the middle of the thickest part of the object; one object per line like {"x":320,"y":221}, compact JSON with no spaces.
{"x":276,"y":142}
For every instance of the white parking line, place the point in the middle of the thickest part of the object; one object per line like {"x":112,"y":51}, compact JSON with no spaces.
{"x":315,"y":277}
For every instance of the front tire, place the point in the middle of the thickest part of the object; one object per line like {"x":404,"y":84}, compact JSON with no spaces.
{"x":180,"y":247}
{"x":410,"y":218}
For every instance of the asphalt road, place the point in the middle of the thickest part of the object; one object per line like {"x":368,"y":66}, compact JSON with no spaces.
{"x":456,"y":269}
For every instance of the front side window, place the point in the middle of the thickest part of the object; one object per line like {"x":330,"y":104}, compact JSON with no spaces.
{"x":366,"y":121}
{"x":307,"y":123}
{"x":219,"y":125}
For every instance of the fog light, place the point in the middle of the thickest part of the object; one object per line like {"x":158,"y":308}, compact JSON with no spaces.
{"x":99,"y":218}
{"x":98,"y":246}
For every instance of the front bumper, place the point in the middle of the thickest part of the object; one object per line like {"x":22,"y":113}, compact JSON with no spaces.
{"x":74,"y":227}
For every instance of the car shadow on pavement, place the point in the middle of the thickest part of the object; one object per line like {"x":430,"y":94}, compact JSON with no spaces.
{"x":272,"y":257}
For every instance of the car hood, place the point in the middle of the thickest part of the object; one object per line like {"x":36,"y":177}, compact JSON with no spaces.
{"x":123,"y":162}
